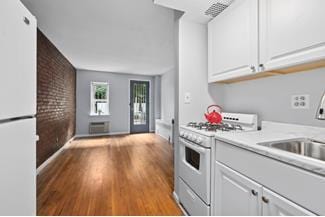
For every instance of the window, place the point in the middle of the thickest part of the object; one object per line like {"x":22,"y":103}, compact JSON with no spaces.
{"x":99,"y":98}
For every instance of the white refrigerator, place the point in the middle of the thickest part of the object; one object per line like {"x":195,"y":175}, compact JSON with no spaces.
{"x":17,"y":109}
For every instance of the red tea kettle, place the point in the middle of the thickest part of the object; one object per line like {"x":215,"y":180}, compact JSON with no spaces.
{"x":213,"y":117}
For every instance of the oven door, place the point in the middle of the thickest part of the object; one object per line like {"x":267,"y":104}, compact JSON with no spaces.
{"x":194,"y":168}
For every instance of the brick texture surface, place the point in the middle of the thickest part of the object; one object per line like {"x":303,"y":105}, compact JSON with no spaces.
{"x":56,"y":99}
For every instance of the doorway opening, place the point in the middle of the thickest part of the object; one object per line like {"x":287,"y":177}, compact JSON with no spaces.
{"x":139,"y":106}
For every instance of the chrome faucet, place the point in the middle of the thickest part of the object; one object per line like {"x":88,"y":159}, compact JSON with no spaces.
{"x":321,"y":109}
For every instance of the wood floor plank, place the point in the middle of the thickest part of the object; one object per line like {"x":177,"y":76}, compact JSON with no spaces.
{"x":117,"y":175}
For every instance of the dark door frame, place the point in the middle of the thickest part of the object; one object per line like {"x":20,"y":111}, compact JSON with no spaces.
{"x":142,"y":128}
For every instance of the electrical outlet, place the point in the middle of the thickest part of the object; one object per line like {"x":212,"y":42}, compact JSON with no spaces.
{"x":187,"y":98}
{"x":300,"y":101}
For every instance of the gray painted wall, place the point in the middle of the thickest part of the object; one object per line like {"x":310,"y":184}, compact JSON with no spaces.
{"x":168,"y":96}
{"x":192,"y":76}
{"x":270,"y":97}
{"x":157,"y":96}
{"x":193,"y":73}
{"x":119,"y":100}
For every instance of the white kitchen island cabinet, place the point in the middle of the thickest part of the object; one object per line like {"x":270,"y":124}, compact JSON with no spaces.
{"x":233,"y":43}
{"x":292,"y":32}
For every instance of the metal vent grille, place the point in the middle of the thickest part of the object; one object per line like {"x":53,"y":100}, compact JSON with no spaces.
{"x":98,"y":127}
{"x":217,"y":8}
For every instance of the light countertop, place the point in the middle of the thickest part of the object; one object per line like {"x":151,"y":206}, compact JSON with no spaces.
{"x":273,"y":131}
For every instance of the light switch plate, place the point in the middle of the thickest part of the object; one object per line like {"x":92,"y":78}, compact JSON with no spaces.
{"x":300,"y":101}
{"x":187,"y":98}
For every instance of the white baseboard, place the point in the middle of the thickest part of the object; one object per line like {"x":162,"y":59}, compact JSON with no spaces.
{"x":55,"y":155}
{"x":101,"y":134}
{"x":164,"y":130}
{"x":161,"y":136}
{"x":175,"y":196}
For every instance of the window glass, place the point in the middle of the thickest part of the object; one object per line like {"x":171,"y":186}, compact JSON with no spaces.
{"x":99,"y":98}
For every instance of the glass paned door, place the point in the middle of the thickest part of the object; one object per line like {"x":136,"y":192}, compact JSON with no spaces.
{"x":139,"y":106}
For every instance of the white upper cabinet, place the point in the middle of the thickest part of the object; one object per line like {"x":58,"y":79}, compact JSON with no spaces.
{"x":17,"y":60}
{"x":292,"y":32}
{"x":253,"y":36}
{"x":233,"y":42}
{"x":275,"y":205}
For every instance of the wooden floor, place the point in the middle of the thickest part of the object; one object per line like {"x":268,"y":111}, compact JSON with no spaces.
{"x":120,"y":175}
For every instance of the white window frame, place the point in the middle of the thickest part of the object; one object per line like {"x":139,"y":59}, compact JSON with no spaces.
{"x":92,"y":99}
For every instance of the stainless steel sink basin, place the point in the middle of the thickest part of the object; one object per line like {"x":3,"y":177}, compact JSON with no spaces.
{"x":303,"y":146}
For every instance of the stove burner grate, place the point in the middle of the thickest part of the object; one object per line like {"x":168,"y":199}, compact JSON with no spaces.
{"x":215,"y":127}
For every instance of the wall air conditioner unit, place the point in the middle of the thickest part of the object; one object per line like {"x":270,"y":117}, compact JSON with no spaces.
{"x":98,"y":127}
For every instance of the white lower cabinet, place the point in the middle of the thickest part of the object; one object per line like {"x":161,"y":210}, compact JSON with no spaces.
{"x":275,"y":205}
{"x":237,"y":195}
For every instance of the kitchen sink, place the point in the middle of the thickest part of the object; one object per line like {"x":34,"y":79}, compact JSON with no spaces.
{"x":303,"y":146}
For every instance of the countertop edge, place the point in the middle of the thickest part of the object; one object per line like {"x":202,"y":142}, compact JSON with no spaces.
{"x":301,"y":162}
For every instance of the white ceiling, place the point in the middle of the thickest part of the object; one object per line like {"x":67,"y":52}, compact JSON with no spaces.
{"x":126,"y":36}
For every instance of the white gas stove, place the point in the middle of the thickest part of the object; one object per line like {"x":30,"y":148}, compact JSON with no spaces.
{"x":231,"y":122}
{"x":195,"y":142}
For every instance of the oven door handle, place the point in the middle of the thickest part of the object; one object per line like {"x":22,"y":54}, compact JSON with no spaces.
{"x":194,"y":147}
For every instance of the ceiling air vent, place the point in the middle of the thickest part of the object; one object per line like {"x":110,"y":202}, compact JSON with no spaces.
{"x":218,"y":7}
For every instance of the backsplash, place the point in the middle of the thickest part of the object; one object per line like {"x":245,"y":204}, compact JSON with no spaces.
{"x":270,"y":97}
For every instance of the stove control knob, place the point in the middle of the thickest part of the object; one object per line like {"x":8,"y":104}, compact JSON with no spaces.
{"x":199,"y":140}
{"x":190,"y":136}
{"x":181,"y":133}
{"x":185,"y":135}
{"x":194,"y":138}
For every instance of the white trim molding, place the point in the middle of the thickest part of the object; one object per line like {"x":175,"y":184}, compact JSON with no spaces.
{"x":55,"y":155}
{"x":175,"y":196}
{"x":101,"y":134}
{"x":164,"y":130}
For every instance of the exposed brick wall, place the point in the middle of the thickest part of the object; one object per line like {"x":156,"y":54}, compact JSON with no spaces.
{"x":56,"y":99}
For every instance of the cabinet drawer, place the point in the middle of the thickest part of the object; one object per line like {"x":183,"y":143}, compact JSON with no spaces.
{"x":193,"y":205}
{"x":304,"y":188}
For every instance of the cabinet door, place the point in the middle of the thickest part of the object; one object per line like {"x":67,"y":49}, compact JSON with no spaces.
{"x":17,"y":60}
{"x":292,"y":32}
{"x":233,"y":41}
{"x":275,"y":205}
{"x":235,"y":194}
